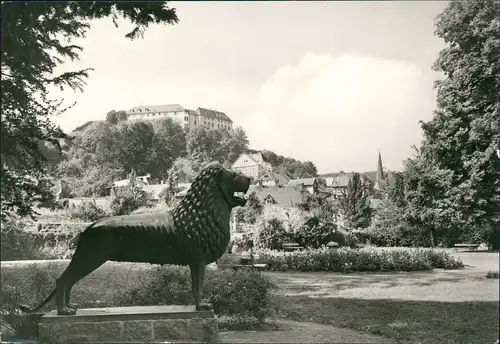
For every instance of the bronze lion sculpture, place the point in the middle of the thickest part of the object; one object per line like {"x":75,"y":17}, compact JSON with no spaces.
{"x":194,"y":233}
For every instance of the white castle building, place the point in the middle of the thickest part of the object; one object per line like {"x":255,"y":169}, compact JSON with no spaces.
{"x":186,"y":118}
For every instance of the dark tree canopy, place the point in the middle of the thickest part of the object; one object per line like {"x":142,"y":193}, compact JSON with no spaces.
{"x":36,"y":37}
{"x":453,"y":185}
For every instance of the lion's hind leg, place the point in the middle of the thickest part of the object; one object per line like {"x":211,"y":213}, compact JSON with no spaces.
{"x":80,"y":266}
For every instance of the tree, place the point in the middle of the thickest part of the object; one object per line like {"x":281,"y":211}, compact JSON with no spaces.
{"x":461,"y":138}
{"x":355,"y":204}
{"x":396,"y":192}
{"x":307,"y":169}
{"x":205,"y":145}
{"x":36,"y":38}
{"x":238,"y":143}
{"x":137,"y":145}
{"x":121,"y":116}
{"x":111,"y":117}
{"x":169,"y":143}
{"x":428,"y":210}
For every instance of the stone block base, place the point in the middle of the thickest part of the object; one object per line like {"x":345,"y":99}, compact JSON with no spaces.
{"x":130,"y":324}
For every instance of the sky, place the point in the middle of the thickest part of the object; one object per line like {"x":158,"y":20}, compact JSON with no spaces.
{"x":329,"y":82}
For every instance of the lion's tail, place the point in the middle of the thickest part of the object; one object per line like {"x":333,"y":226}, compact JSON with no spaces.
{"x":27,"y":309}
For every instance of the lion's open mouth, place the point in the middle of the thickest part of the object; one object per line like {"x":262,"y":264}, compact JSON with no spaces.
{"x":239,"y":198}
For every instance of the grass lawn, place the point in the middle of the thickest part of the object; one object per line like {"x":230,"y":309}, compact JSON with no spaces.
{"x":405,"y":321}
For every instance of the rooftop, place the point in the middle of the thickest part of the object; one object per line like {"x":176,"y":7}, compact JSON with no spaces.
{"x":156,"y":108}
{"x":209,"y":113}
{"x":287,"y":196}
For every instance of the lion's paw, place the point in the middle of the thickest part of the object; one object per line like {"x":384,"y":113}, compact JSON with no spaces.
{"x":204,"y":307}
{"x":66,"y":311}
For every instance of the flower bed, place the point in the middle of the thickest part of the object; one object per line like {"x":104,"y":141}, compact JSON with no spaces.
{"x":365,"y":259}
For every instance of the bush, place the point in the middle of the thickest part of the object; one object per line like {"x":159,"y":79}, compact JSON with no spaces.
{"x":29,"y":289}
{"x":88,"y":212}
{"x":26,"y":244}
{"x":127,"y":199}
{"x":315,"y":233}
{"x":18,"y":244}
{"x":272,"y":235}
{"x":349,"y":260}
{"x":493,"y":274}
{"x":29,"y":286}
{"x":243,"y":296}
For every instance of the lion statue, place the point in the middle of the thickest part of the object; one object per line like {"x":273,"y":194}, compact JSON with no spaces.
{"x":194,"y":233}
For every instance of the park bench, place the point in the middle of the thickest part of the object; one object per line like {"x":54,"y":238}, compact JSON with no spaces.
{"x":246,"y":262}
{"x":472,"y":247}
{"x":291,"y":246}
{"x":258,"y":267}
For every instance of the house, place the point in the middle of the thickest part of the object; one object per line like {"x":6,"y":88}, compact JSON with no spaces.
{"x":270,"y":178}
{"x":185,"y":117}
{"x":252,"y":165}
{"x":375,"y":181}
{"x":151,"y":188}
{"x":285,"y":196}
{"x":140,"y":180}
{"x":337,"y":185}
{"x":313,"y":185}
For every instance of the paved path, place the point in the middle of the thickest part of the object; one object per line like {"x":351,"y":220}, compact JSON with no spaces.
{"x":302,"y":332}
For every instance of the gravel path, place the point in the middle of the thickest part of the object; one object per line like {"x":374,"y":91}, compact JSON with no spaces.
{"x":302,"y":332}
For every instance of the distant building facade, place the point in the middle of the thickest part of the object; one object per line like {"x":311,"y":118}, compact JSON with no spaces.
{"x":375,"y":182}
{"x":312,"y":185}
{"x":201,"y":117}
{"x":252,"y":165}
{"x":271,"y":179}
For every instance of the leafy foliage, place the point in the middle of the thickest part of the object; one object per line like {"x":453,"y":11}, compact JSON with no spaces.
{"x":205,"y":145}
{"x":289,"y":166}
{"x":88,"y":212}
{"x":127,"y":198}
{"x":355,"y":204}
{"x":272,"y":235}
{"x":315,"y":233}
{"x":252,"y":210}
{"x":36,"y":38}
{"x":244,"y":295}
{"x":453,"y":182}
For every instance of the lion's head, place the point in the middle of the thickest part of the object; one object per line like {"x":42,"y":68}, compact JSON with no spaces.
{"x":215,"y":178}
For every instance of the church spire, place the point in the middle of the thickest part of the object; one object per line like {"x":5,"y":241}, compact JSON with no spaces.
{"x":379,"y":180}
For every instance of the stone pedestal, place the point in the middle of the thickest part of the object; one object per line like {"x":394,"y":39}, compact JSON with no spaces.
{"x":130,"y":324}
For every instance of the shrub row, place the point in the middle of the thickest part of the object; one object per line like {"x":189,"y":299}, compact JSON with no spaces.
{"x":352,"y":260}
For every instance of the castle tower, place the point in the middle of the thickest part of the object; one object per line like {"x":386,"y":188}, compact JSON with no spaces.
{"x":380,"y":178}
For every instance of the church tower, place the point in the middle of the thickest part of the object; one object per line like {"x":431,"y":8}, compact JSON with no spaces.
{"x":380,"y":178}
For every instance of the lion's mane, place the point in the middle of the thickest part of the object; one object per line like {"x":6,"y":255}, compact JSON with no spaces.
{"x":202,"y":216}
